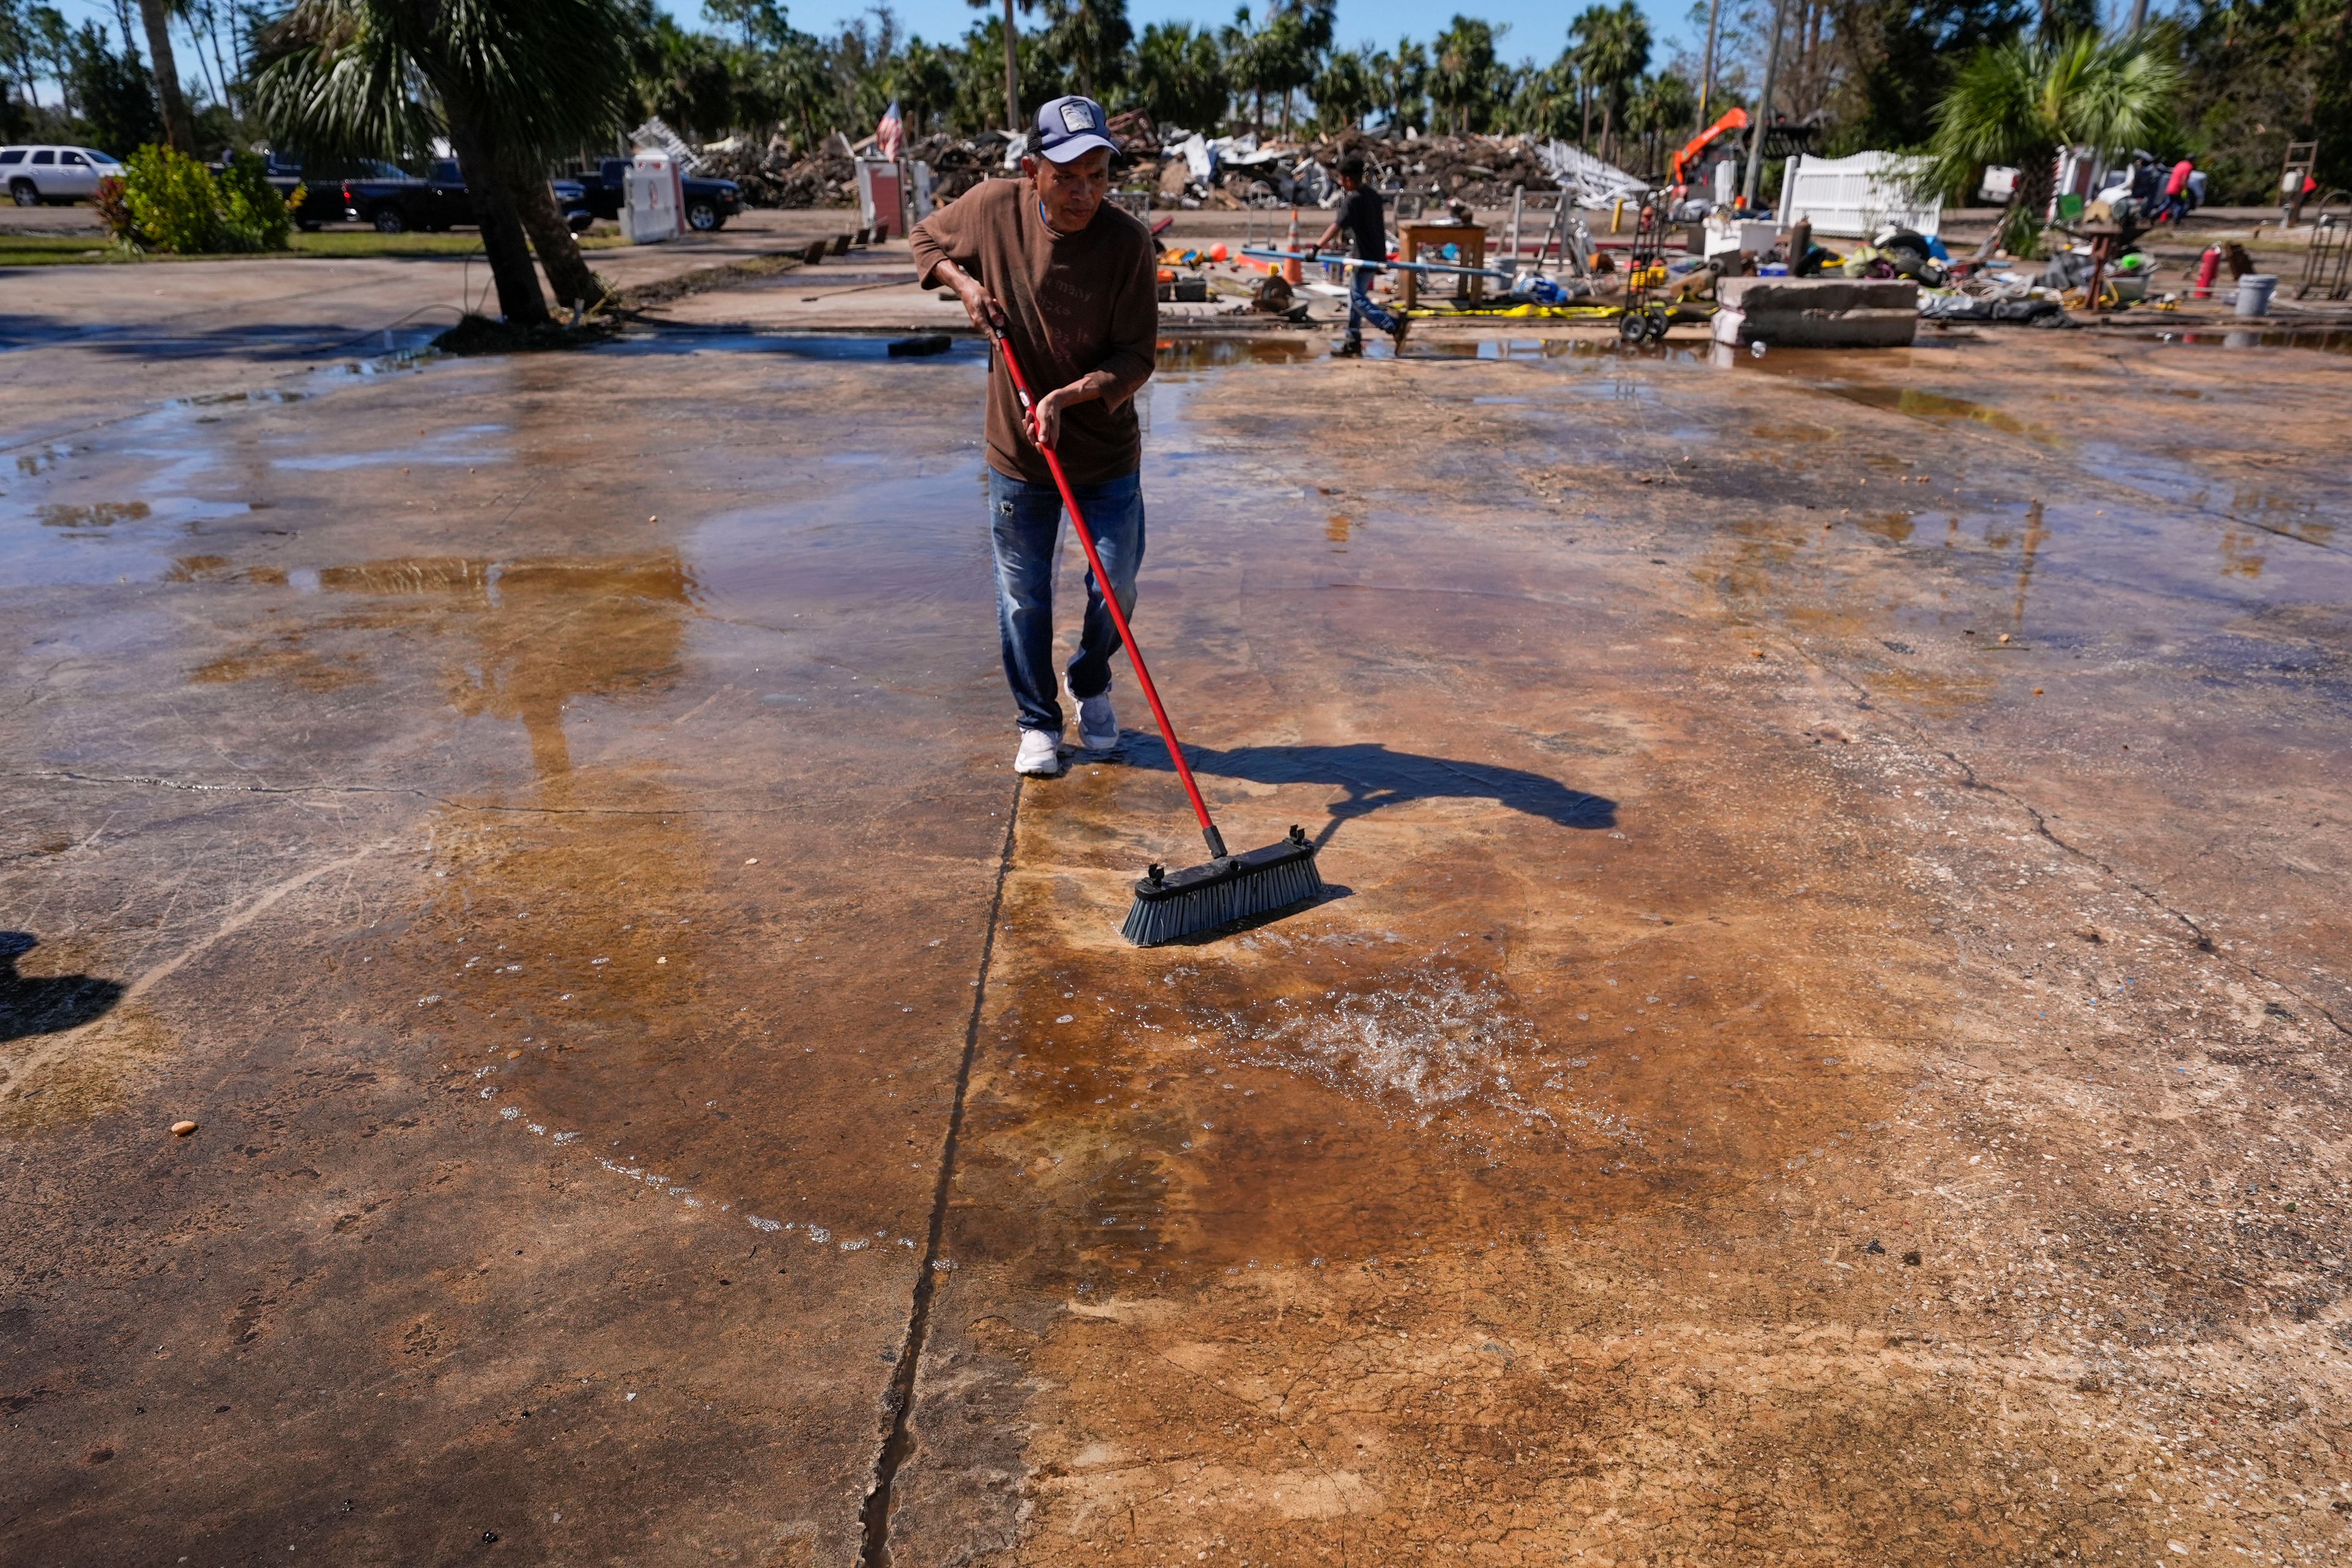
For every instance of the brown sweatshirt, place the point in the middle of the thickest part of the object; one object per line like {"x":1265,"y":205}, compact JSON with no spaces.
{"x":1077,"y":303}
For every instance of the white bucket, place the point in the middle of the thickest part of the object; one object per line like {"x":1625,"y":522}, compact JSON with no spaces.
{"x":2254,"y":290}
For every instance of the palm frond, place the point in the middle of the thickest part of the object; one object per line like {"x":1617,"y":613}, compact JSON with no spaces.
{"x":372,"y":78}
{"x":333,"y":82}
{"x":1991,"y":115}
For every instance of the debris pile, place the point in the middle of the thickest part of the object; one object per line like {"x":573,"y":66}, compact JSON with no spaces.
{"x":1193,"y":171}
{"x":1477,"y":171}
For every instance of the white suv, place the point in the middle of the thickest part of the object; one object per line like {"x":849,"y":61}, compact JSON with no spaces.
{"x":37,"y":175}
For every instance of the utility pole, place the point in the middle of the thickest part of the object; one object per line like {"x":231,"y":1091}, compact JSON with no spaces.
{"x":1706,"y":71}
{"x":1763,"y":110}
{"x":1011,"y":72}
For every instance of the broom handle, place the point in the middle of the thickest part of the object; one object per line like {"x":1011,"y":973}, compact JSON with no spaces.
{"x":1118,"y":616}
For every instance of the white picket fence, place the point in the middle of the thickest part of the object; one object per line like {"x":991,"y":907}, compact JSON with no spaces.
{"x":1856,"y":197}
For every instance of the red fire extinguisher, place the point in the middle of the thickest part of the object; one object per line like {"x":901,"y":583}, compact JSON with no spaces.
{"x":2205,"y":271}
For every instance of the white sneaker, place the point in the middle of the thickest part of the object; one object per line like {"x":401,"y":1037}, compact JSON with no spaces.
{"x":1040,"y":755}
{"x":1097,"y":725}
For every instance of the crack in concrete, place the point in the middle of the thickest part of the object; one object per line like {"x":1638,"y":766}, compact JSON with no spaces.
{"x":1970,"y":781}
{"x":875,"y":1516}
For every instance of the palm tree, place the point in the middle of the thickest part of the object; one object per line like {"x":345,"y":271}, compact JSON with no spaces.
{"x":1092,"y":36}
{"x":513,"y":84}
{"x":1179,"y":77}
{"x":1663,"y":108}
{"x":1345,"y":90}
{"x":923,"y":79}
{"x":1613,"y":50}
{"x":179,"y":128}
{"x":2018,"y":103}
{"x":1464,"y":79}
{"x":1544,"y":99}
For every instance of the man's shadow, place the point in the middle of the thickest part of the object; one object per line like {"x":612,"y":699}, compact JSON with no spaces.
{"x":46,"y":1004}
{"x":1375,"y":777}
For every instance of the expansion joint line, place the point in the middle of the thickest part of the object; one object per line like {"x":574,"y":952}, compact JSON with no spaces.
{"x":874,"y":1517}
{"x":149,"y":781}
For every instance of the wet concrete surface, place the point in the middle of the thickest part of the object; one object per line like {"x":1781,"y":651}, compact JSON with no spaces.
{"x":83,"y":346}
{"x":1826,"y":1043}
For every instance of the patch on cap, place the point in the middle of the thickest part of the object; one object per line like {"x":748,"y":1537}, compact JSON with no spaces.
{"x":1077,"y":116}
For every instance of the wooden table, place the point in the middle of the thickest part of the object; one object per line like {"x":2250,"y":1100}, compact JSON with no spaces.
{"x":1469,"y":238}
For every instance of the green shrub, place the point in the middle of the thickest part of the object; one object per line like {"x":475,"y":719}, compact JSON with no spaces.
{"x":172,"y":203}
{"x":254,"y":216}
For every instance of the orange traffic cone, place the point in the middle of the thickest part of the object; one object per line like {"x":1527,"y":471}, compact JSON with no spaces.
{"x":1292,"y":273}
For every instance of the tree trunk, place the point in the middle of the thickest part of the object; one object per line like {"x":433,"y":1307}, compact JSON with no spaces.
{"x":2028,"y":202}
{"x":179,"y":130}
{"x":520,"y":300}
{"x":1011,"y":72}
{"x":576,"y":288}
{"x":220,"y":56}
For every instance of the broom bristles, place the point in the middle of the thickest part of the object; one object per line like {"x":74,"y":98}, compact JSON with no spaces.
{"x":1222,"y":892}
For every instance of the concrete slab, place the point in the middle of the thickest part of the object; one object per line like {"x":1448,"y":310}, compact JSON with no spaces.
{"x":1826,"y":1042}
{"x":1818,"y":312}
{"x":114,"y":338}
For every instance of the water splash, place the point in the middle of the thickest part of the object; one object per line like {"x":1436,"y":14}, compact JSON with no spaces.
{"x":1432,"y":1044}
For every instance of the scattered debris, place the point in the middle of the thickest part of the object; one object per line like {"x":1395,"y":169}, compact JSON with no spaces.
{"x":181,"y":1129}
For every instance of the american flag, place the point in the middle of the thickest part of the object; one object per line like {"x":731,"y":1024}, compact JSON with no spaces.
{"x":891,"y":134}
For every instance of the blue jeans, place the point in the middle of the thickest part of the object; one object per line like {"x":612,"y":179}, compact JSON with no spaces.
{"x":1361,"y":308}
{"x":1024,"y":521}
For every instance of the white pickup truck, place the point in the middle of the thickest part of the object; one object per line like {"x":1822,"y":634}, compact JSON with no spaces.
{"x":35,"y":174}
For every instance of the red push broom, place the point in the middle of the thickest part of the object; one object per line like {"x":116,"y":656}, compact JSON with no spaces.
{"x":1227,"y":887}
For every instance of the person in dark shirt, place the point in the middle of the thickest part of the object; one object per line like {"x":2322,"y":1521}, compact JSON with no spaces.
{"x":1360,"y":219}
{"x":1068,"y":278}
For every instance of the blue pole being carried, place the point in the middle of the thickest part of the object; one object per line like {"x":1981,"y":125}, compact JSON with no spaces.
{"x":1267,"y":253}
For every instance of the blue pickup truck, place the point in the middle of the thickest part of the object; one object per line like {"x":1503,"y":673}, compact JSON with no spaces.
{"x":708,"y":203}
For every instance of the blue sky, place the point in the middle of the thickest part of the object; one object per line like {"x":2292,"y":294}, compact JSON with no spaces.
{"x":1537,"y":29}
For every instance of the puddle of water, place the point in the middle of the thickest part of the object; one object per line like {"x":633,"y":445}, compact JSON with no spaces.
{"x":839,"y":347}
{"x":404,"y":350}
{"x":218,"y":399}
{"x":458,"y":445}
{"x":2328,"y":340}
{"x":95,"y":516}
{"x":1199,"y":353}
{"x":1935,"y":405}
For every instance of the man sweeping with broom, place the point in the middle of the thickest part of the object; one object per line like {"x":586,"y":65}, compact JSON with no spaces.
{"x":1070,"y":280}
{"x":1059,"y":281}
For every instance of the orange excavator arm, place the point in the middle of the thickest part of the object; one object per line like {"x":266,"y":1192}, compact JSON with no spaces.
{"x":1733,"y":120}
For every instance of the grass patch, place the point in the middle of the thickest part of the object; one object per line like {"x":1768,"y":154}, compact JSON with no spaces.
{"x":95,"y":250}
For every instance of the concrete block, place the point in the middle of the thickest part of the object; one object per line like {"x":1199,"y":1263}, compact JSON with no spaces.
{"x":1760,"y":295}
{"x":1818,"y":312}
{"x":1819,"y":329}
